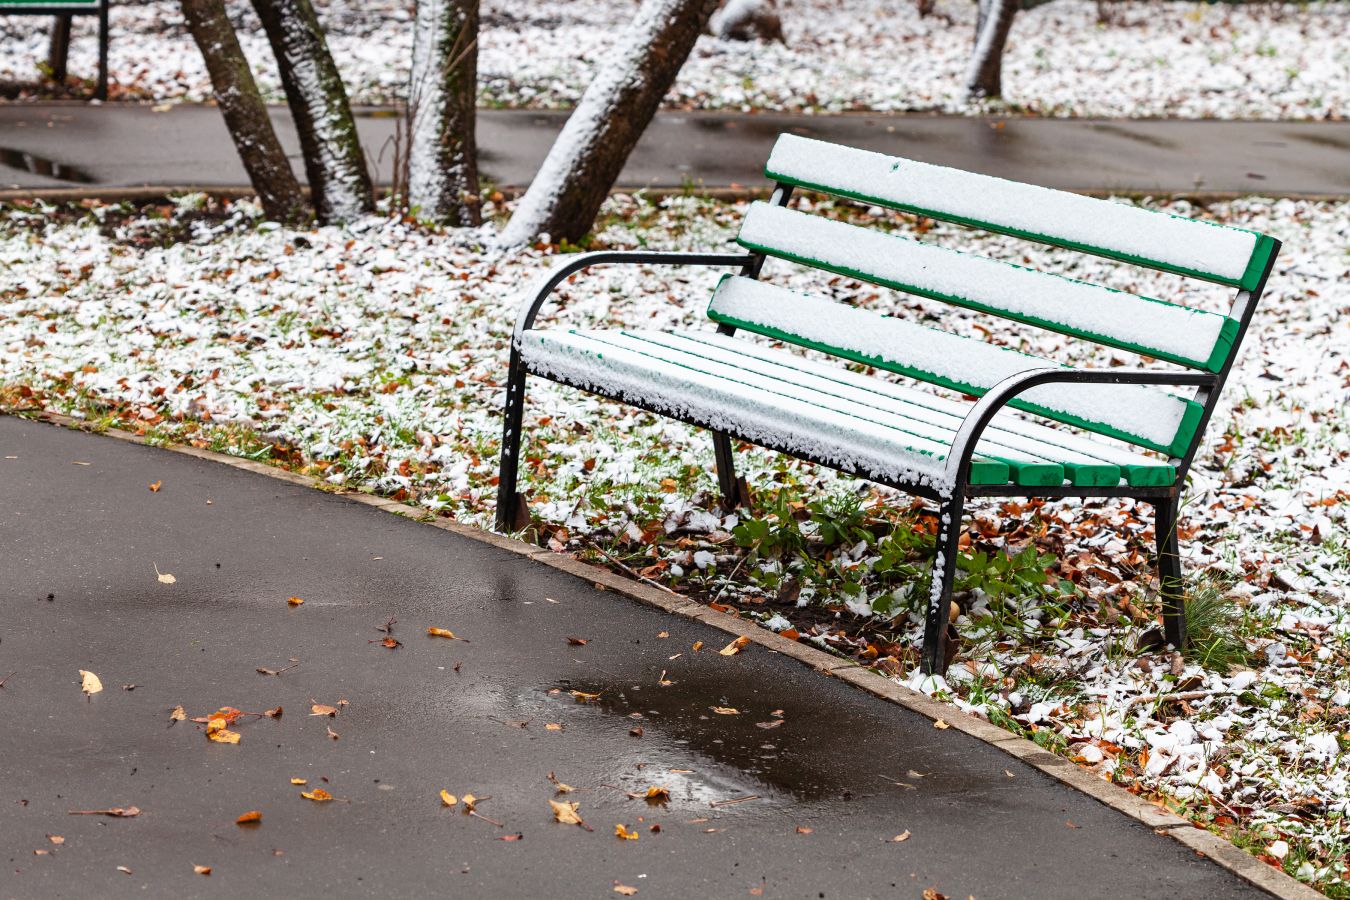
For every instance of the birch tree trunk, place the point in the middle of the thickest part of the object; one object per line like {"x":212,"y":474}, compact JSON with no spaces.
{"x":338,"y":179}
{"x":245,"y":114}
{"x":985,"y":76}
{"x":442,"y":104}
{"x":587,"y":157}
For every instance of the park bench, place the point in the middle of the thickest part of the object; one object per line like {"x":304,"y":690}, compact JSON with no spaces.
{"x":1136,"y":430}
{"x":65,"y":11}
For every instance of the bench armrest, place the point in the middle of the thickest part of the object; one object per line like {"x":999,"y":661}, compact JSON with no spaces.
{"x":564,"y":269}
{"x":972,"y":427}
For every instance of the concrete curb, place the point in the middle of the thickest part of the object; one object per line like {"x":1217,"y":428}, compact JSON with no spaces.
{"x":1162,"y":821}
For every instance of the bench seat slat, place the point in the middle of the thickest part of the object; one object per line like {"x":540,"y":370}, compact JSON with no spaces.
{"x":1085,"y":461}
{"x":1178,"y":334}
{"x":1157,"y":240}
{"x":1141,"y":415}
{"x":842,"y":441}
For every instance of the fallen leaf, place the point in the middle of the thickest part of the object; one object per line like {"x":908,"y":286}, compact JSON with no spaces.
{"x":663,"y":634}
{"x":116,"y":812}
{"x":469,"y":802}
{"x":294,"y":601}
{"x":320,"y":709}
{"x":331,"y":733}
{"x":566,"y":812}
{"x":252,"y":817}
{"x":657,"y":794}
{"x":663,"y":680}
{"x":273,"y":713}
{"x":90,"y":683}
{"x":448,"y":799}
{"x":42,"y":852}
{"x":933,"y":894}
{"x":941,"y":725}
{"x":698,"y":645}
{"x":726,"y":710}
{"x":553,"y":726}
{"x":124,"y":870}
{"x":583,"y":697}
{"x":511,"y":837}
{"x":624,"y":889}
{"x":802,"y":829}
{"x":558,"y":785}
{"x":636,"y":731}
{"x":899,"y":838}
{"x":578,"y":642}
{"x":56,"y":839}
{"x":216,"y":731}
{"x":445,"y":633}
{"x":177,"y":714}
{"x":201,"y":870}
{"x":299,"y":781}
{"x":154,"y":488}
{"x":164,"y":577}
{"x":318,"y":795}
{"x":735,"y":646}
{"x":621,"y":832}
{"x":774,"y":723}
{"x":391,"y":642}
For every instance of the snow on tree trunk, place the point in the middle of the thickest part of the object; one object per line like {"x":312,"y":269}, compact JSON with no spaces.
{"x":985,"y":76}
{"x":587,"y":157}
{"x":245,"y":113}
{"x":338,"y":179}
{"x":442,"y":101}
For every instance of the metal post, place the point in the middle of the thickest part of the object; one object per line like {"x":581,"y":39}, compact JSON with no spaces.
{"x":101,"y":89}
{"x":1170,"y":585}
{"x":513,"y":418}
{"x":58,"y":51}
{"x":944,"y":577}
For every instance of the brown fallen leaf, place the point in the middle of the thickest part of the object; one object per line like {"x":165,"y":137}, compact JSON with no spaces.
{"x":899,"y":838}
{"x":941,"y":725}
{"x":578,"y":642}
{"x":331,"y":733}
{"x":294,"y":601}
{"x":448,"y":799}
{"x":318,"y":795}
{"x":42,"y":852}
{"x":663,"y":680}
{"x":252,"y":817}
{"x":558,"y":785}
{"x":273,"y":713}
{"x":583,"y":697}
{"x":624,"y":889}
{"x":201,"y":870}
{"x":735,"y":646}
{"x":566,"y":812}
{"x":553,"y":726}
{"x":124,"y":870}
{"x":636,"y":731}
{"x":802,"y":829}
{"x":164,"y":577}
{"x":511,"y":837}
{"x":663,"y":634}
{"x":177,"y":714}
{"x":933,"y":894}
{"x":90,"y":683}
{"x":773,"y":723}
{"x":321,"y":709}
{"x":726,"y":710}
{"x":445,"y":633}
{"x":698,"y":645}
{"x":154,"y":488}
{"x":116,"y":812}
{"x":621,"y":832}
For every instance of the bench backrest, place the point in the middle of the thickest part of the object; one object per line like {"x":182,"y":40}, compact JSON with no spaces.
{"x":50,"y":6}
{"x":1188,"y":337}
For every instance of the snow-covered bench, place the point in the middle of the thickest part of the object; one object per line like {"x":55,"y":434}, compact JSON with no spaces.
{"x":64,"y":10}
{"x":946,"y":448}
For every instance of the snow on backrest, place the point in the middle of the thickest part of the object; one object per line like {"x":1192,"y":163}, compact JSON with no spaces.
{"x":1104,"y":228}
{"x":1179,"y":334}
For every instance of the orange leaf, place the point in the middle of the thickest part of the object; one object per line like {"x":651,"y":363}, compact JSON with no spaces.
{"x":621,"y":832}
{"x":202,"y":870}
{"x":294,"y":601}
{"x":252,"y":817}
{"x":318,"y":795}
{"x":154,"y":488}
{"x":735,"y":646}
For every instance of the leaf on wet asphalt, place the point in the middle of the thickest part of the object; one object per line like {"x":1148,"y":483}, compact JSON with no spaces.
{"x":322,"y":709}
{"x":318,"y":795}
{"x":511,"y":837}
{"x":201,"y":870}
{"x":698,"y":645}
{"x":445,"y":633}
{"x":448,"y":799}
{"x":217,"y":731}
{"x":90,"y":683}
{"x":252,"y":817}
{"x":299,"y":781}
{"x":391,"y":642}
{"x":331,"y":733}
{"x":273,"y":713}
{"x":933,"y":894}
{"x":735,"y":646}
{"x":294,"y":601}
{"x":154,"y":488}
{"x":558,"y":785}
{"x":164,"y":577}
{"x":899,"y":838}
{"x":941,"y":725}
{"x":566,"y":813}
{"x":624,"y":889}
{"x":583,"y":697}
{"x":470,"y":801}
{"x":124,"y":870}
{"x":177,"y":714}
{"x":56,"y":839}
{"x":663,"y":680}
{"x":553,"y":726}
{"x":774,"y":723}
{"x":116,"y":812}
{"x":657,"y":794}
{"x":578,"y":642}
{"x":726,"y":710}
{"x":663,"y":634}
{"x":802,"y":829}
{"x":636,"y":731}
{"x":621,"y":832}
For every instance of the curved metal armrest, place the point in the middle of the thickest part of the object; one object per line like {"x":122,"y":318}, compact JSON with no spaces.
{"x":968,"y":435}
{"x":530,"y":309}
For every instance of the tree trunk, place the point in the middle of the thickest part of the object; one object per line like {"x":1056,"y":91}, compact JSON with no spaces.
{"x":442,"y":103}
{"x":338,"y":179}
{"x":586,"y":158}
{"x":245,"y":113}
{"x":985,"y":76}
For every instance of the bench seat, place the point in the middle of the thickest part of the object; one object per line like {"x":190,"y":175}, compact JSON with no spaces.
{"x":885,"y":431}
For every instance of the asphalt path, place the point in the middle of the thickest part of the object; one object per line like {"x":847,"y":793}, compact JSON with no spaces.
{"x":798,"y":793}
{"x":48,"y":148}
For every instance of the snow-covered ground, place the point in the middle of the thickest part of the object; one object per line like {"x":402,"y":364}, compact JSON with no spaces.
{"x":1258,"y":60}
{"x":376,"y":355}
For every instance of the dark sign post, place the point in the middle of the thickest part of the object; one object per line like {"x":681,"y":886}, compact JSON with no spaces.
{"x":64,"y":11}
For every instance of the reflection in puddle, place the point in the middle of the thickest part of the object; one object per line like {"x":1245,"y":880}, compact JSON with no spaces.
{"x":40,"y":165}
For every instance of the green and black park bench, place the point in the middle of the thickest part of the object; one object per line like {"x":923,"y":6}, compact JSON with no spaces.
{"x":64,"y":11}
{"x":1134,"y":431}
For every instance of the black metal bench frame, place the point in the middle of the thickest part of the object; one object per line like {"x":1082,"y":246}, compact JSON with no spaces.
{"x":1165,"y":500}
{"x":64,"y":14}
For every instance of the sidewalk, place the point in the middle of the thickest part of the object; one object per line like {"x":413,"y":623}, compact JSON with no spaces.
{"x":796,"y":793}
{"x":51,"y":149}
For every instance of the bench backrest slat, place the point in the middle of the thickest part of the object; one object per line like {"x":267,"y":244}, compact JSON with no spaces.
{"x":1167,"y":331}
{"x":1144,"y":237}
{"x":1144,"y":416}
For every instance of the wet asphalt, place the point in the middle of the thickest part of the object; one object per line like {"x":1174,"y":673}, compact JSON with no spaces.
{"x":82,"y":537}
{"x":52,"y":147}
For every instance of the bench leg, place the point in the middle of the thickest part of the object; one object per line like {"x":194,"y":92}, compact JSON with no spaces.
{"x":726,"y":472}
{"x":58,"y":51}
{"x":944,"y":577}
{"x":508,"y":500}
{"x":1170,"y":584}
{"x":101,"y":85}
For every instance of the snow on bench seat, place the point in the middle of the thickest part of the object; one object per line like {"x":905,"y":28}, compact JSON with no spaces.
{"x":1190,"y":337}
{"x":1157,"y":240}
{"x":781,"y":400}
{"x":1142,"y":415}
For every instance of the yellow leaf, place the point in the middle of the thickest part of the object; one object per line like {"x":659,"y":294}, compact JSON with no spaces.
{"x":318,"y":795}
{"x":294,"y":601}
{"x":664,"y":634}
{"x":621,"y":832}
{"x":252,"y":817}
{"x":56,"y":839}
{"x":299,"y":781}
{"x":164,"y":577}
{"x":899,"y":838}
{"x":566,"y":812}
{"x":154,"y":488}
{"x":625,"y":890}
{"x":448,"y":798}
{"x":726,"y":710}
{"x":657,"y":792}
{"x":177,"y":714}
{"x":941,"y":725}
{"x":583,"y":697}
{"x":734,"y":647}
{"x":320,"y":709}
{"x":89,"y":682}
{"x":554,"y":726}
{"x":443,"y":632}
{"x":698,"y":645}
{"x":216,"y":731}
{"x":202,"y":870}
{"x":469,"y":801}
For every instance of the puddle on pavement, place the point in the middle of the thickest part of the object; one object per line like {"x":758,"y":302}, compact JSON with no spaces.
{"x":40,"y":165}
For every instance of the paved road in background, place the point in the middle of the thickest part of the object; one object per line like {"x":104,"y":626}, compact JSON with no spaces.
{"x":61,"y":146}
{"x":81,"y":539}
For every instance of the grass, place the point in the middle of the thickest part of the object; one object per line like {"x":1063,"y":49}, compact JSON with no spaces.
{"x":1214,"y":623}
